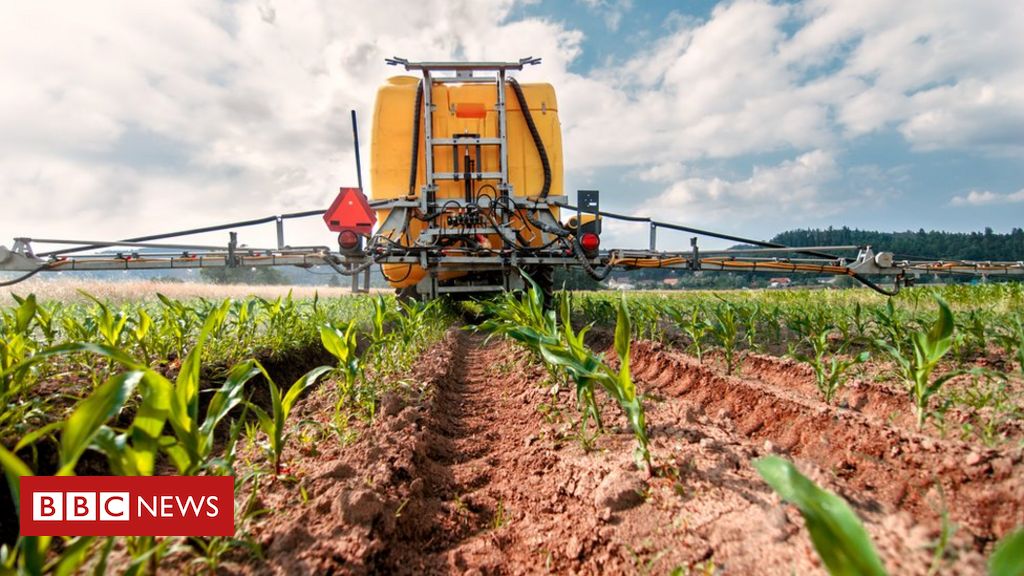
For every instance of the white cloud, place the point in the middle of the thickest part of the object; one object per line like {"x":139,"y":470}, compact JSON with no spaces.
{"x":759,"y":77}
{"x":987,"y":197}
{"x":250,"y":100}
{"x":252,"y":97}
{"x":795,"y":190}
{"x":662,"y":172}
{"x":792,"y":185}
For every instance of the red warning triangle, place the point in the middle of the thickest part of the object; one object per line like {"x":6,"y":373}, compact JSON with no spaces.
{"x":351,"y":211}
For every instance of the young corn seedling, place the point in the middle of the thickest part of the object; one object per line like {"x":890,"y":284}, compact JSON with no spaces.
{"x":273,"y":424}
{"x":1012,"y":340}
{"x":694,"y":326}
{"x":891,"y":326}
{"x":752,"y":321}
{"x":837,"y":534}
{"x":108,"y":323}
{"x":928,"y":349}
{"x":587,"y":368}
{"x":572,"y":343}
{"x":829,"y":367}
{"x":342,"y":345}
{"x":77,"y":434}
{"x":725,"y":331}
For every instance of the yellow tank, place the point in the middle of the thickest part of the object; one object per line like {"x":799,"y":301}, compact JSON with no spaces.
{"x":391,"y":147}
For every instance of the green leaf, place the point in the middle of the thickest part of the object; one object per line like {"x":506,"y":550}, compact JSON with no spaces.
{"x":335,"y":343}
{"x":72,"y":557}
{"x":92,"y":413}
{"x":185,"y":403}
{"x":14,"y":468}
{"x":74,"y":347}
{"x":149,"y":421}
{"x":1008,"y":558}
{"x":623,"y":330}
{"x":305,"y":381}
{"x":838,"y":535}
{"x":229,"y":395}
{"x":33,"y":436}
{"x":24,"y":314}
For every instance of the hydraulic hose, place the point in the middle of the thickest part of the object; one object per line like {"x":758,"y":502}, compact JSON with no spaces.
{"x":24,"y":277}
{"x":599,"y":275}
{"x":417,"y":117}
{"x":876,"y":287}
{"x":537,"y":142}
{"x":348,"y":272}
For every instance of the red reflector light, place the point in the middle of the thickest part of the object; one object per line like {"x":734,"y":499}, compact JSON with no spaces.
{"x":590,"y":241}
{"x":470,"y":110}
{"x":348,"y":239}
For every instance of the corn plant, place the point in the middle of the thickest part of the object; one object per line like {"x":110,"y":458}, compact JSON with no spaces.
{"x":179,"y":321}
{"x":29,"y":554}
{"x":525,"y":319}
{"x":588,"y":368}
{"x":695,"y":326}
{"x":928,"y":349}
{"x":970,"y":337}
{"x":725,"y":330}
{"x":829,"y":367}
{"x":837,"y":534}
{"x":1012,"y":340}
{"x":17,"y":346}
{"x":342,"y":345}
{"x":139,"y":330}
{"x":572,"y":342}
{"x":107,"y":323}
{"x":891,"y":326}
{"x":273,"y":424}
{"x":751,"y":321}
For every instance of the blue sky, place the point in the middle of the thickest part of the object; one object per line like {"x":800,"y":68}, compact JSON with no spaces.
{"x":749,"y":117}
{"x":911,"y":186}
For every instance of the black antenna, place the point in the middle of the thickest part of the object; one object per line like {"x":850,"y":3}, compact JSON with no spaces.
{"x":355,"y":139}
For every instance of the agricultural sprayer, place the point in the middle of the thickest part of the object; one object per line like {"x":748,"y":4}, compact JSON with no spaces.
{"x":466,"y":181}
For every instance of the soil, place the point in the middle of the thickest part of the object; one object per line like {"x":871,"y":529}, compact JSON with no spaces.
{"x":474,"y":465}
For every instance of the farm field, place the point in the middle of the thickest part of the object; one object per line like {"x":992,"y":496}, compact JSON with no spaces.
{"x":368,"y":435}
{"x":65,"y":290}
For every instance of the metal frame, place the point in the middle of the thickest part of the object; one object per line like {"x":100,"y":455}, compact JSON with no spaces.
{"x":395,"y":224}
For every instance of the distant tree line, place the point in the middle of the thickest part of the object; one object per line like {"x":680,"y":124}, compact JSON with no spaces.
{"x":986,"y":245}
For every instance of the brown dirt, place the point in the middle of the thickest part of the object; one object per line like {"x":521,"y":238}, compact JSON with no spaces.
{"x":880,"y":399}
{"x":881,"y":461}
{"x":476,"y":468}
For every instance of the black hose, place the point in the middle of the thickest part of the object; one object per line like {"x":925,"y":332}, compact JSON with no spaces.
{"x":417,"y":116}
{"x":348,"y":272}
{"x":190,"y":232}
{"x":24,"y":277}
{"x":541,"y":151}
{"x":599,"y":275}
{"x":876,"y":287}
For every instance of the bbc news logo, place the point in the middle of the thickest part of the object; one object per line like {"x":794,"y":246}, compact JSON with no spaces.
{"x":127,"y":506}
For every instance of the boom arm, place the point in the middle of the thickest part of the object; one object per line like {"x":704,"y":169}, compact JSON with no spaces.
{"x":772,"y":259}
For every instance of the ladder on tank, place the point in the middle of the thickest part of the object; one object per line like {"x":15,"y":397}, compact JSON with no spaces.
{"x":472,"y":169}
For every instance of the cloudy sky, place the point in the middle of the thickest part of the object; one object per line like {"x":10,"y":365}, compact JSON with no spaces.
{"x":749,"y":117}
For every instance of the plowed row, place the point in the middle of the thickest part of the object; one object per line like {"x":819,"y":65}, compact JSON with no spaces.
{"x":477,"y":468}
